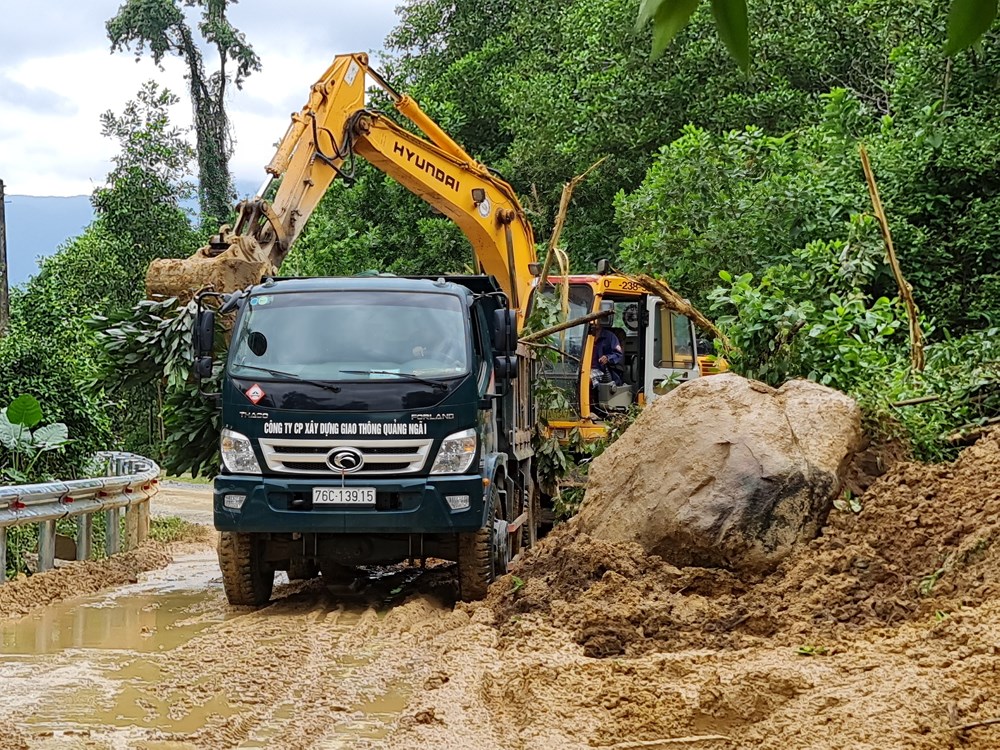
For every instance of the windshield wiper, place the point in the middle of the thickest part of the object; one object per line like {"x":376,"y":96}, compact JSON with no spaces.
{"x":293,"y":376}
{"x":409,"y":376}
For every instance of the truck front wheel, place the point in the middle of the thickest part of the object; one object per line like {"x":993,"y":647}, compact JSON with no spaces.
{"x":246,"y":576}
{"x":484,"y":554}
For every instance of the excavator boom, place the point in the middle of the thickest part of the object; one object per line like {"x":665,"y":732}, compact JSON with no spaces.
{"x":322,"y":141}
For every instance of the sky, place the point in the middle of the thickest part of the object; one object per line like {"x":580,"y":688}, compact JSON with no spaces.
{"x":57,"y":75}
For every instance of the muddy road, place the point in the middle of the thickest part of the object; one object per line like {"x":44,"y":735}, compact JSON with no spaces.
{"x":166,"y":663}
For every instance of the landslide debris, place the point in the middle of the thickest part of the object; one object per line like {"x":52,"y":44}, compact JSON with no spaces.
{"x":883,"y":632}
{"x":23,"y":594}
{"x":725,"y":472}
{"x":926,"y":544}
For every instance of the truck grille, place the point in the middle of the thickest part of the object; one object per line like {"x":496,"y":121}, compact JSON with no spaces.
{"x":309,"y":456}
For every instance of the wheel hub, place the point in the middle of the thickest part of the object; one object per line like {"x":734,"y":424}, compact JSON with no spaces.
{"x":501,"y":546}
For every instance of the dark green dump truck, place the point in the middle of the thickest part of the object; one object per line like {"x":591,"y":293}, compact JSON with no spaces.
{"x":370,"y":420}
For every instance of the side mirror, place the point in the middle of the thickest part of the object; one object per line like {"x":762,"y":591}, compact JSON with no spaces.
{"x":203,"y":368}
{"x":204,"y":334}
{"x":505,"y":332}
{"x":505,"y":368}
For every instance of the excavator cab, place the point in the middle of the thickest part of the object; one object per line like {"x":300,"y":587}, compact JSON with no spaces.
{"x":659,"y":349}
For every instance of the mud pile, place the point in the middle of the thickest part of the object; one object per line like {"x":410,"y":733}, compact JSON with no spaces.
{"x":11,"y":737}
{"x":924,"y":544}
{"x":23,"y":594}
{"x":884,"y":632}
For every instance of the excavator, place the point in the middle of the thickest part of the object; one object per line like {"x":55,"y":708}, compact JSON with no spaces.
{"x":660,"y":348}
{"x":375,"y":419}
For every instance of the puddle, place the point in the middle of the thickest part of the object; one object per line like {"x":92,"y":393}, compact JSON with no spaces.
{"x":160,"y":613}
{"x":104,"y":666}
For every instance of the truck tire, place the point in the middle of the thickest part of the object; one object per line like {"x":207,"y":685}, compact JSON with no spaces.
{"x":477,"y":568}
{"x":247,"y":578}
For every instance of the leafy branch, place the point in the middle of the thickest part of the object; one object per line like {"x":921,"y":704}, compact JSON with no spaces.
{"x":968,"y":21}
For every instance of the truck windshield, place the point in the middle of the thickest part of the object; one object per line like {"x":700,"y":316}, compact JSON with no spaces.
{"x":340,"y":336}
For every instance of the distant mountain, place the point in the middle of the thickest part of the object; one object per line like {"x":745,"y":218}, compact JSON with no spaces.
{"x":38,"y":225}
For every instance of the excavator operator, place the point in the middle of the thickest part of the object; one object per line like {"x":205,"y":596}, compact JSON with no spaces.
{"x":608,"y":353}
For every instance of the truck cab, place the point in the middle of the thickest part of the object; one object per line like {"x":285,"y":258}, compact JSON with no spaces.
{"x":370,"y":420}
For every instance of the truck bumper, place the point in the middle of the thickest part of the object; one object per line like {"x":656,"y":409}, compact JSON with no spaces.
{"x":407,"y":506}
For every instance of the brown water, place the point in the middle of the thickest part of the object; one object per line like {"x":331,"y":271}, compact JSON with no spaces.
{"x":166,"y":663}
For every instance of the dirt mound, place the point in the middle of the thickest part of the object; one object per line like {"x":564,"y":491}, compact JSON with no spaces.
{"x":924,"y":545}
{"x":925,"y":542}
{"x":23,"y":594}
{"x":11,"y":737}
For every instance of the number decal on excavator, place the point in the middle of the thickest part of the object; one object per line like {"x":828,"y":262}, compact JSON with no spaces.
{"x":352,"y":72}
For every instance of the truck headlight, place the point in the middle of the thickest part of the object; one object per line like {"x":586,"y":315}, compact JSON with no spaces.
{"x":237,"y":453}
{"x":456,"y":453}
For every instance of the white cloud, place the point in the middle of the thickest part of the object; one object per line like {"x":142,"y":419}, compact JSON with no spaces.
{"x":57,"y":76}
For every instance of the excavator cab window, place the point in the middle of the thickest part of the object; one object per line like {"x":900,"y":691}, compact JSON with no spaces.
{"x":674,"y":340}
{"x":563,"y":368}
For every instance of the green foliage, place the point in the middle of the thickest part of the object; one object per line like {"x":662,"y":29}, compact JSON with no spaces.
{"x":24,"y":441}
{"x":34,"y":365}
{"x":160,"y":27}
{"x":540,"y":91}
{"x":154,"y":341}
{"x":139,"y":207}
{"x":814,"y":318}
{"x":376,"y":224}
{"x":968,"y":21}
{"x":167,"y":529}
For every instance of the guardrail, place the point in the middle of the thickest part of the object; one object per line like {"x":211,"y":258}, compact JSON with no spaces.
{"x":129,"y":483}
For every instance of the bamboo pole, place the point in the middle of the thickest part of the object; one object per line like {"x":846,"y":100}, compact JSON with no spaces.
{"x":905,"y":291}
{"x":563,"y":326}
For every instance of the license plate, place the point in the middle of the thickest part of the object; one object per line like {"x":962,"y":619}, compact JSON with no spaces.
{"x":343,"y":495}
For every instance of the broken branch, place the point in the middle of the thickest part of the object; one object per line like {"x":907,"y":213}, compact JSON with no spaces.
{"x":567,"y":194}
{"x":678,"y":304}
{"x":905,"y":292}
{"x":563,"y":326}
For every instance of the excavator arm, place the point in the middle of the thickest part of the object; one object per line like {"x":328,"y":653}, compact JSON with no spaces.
{"x":324,"y":138}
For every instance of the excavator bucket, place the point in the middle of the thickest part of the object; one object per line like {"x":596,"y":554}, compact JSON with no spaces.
{"x":182,"y":278}
{"x":231,"y":261}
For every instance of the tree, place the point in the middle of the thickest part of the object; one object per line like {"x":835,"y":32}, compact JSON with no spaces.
{"x":161,"y":26}
{"x":968,"y":21}
{"x":140,"y":205}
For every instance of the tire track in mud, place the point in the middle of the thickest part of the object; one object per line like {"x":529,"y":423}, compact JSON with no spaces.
{"x":182,"y":669}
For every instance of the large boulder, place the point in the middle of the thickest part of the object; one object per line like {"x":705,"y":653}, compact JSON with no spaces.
{"x":724,"y":472}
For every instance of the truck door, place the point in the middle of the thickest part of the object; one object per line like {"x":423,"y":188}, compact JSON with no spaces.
{"x":670,"y":349}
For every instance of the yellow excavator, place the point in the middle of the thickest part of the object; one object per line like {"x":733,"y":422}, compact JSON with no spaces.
{"x":658,"y":348}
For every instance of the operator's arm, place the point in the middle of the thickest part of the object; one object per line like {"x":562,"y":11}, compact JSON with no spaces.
{"x":609,"y":349}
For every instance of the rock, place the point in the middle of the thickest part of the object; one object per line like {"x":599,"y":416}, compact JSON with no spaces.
{"x":724,"y":472}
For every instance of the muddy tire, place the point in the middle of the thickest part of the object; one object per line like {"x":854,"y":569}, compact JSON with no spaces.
{"x":477,"y":566}
{"x":247,"y":578}
{"x":300,"y":569}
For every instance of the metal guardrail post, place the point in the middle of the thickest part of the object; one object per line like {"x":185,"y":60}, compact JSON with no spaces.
{"x":3,"y":555}
{"x":131,"y":527}
{"x":112,"y":540}
{"x":46,"y":545}
{"x":84,"y":537}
